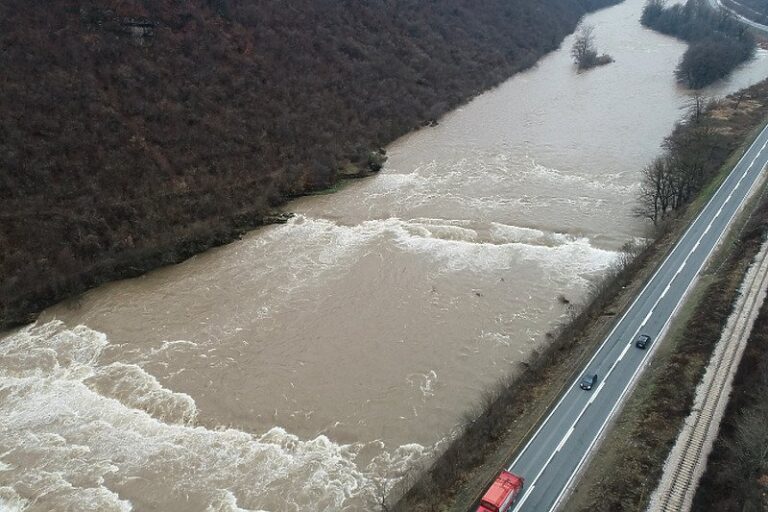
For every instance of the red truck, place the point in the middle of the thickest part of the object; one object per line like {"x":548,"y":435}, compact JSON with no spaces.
{"x":502,"y":494}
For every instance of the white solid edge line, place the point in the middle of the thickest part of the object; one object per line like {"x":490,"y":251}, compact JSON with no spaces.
{"x":578,"y":418}
{"x":592,"y":398}
{"x":653,"y":349}
{"x":528,"y":492}
{"x":525,"y":496}
{"x":637,"y":298}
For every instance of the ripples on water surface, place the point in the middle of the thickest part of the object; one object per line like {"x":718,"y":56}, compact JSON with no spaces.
{"x":291,"y":369}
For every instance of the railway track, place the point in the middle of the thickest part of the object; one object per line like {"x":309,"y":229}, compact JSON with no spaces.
{"x":687,"y":460}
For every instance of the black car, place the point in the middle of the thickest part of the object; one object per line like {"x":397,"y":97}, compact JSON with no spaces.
{"x":642,"y":341}
{"x":588,"y":381}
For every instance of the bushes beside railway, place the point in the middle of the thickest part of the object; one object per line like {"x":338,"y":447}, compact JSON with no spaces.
{"x":487,"y":430}
{"x":630,"y":463}
{"x":736,"y":478}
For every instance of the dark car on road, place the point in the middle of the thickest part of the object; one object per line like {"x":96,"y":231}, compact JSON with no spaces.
{"x":642,"y":341}
{"x":588,"y":381}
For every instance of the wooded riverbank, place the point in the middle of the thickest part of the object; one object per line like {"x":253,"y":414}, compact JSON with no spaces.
{"x":492,"y":433}
{"x":154,"y":131}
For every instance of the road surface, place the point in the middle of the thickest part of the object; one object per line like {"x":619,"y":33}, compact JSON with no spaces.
{"x":716,"y":4}
{"x":551,"y":460}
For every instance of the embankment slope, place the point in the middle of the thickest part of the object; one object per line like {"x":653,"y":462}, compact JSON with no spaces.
{"x":134,"y":134}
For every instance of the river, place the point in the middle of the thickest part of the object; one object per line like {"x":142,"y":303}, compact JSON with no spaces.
{"x":292,"y":369}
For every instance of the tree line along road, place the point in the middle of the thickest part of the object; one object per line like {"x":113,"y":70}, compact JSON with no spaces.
{"x":552,"y":458}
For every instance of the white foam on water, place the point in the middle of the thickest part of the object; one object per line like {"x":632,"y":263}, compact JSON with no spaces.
{"x":425,"y":382}
{"x":577,"y":258}
{"x":496,"y":338}
{"x":135,"y":388}
{"x":79,"y":435}
{"x":466,"y":182}
{"x":442,"y":229}
{"x":167,"y":350}
{"x":433,"y":221}
{"x":172,"y":345}
{"x":391,"y":181}
{"x":324,"y":247}
{"x":225,"y":501}
{"x":476,"y":182}
{"x":567,"y":256}
{"x":609,"y":182}
{"x":453,"y":244}
{"x":10,"y":501}
{"x":504,"y":233}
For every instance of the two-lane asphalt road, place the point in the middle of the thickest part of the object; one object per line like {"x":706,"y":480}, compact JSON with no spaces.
{"x":717,"y":4}
{"x":551,"y":460}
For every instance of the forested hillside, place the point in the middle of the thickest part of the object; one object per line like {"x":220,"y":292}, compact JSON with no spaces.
{"x":134,"y":133}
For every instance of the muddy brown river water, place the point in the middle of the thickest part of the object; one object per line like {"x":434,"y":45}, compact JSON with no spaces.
{"x":292,"y":369}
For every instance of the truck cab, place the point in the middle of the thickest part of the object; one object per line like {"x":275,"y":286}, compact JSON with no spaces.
{"x":501,"y":495}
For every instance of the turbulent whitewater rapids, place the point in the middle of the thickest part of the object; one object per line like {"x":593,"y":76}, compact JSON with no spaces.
{"x":109,"y":431}
{"x":311,"y":361}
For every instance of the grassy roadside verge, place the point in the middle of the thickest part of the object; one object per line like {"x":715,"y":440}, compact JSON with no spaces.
{"x":509,"y":413}
{"x":515,"y":407}
{"x":736,"y":478}
{"x":629,"y":463}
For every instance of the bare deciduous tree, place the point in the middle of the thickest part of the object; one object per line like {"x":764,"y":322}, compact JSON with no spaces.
{"x":379,"y":493}
{"x":584,"y":51}
{"x":656,"y":191}
{"x":672,"y":180}
{"x":695,"y":106}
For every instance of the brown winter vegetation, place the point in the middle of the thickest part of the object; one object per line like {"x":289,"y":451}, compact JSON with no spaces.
{"x":489,"y":437}
{"x":717,"y":43}
{"x":584,"y":50}
{"x":134,"y":133}
{"x":736,"y":478}
{"x":628,"y":466}
{"x":697,"y":148}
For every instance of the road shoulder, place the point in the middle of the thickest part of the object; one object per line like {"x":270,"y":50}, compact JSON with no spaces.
{"x":626,"y":469}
